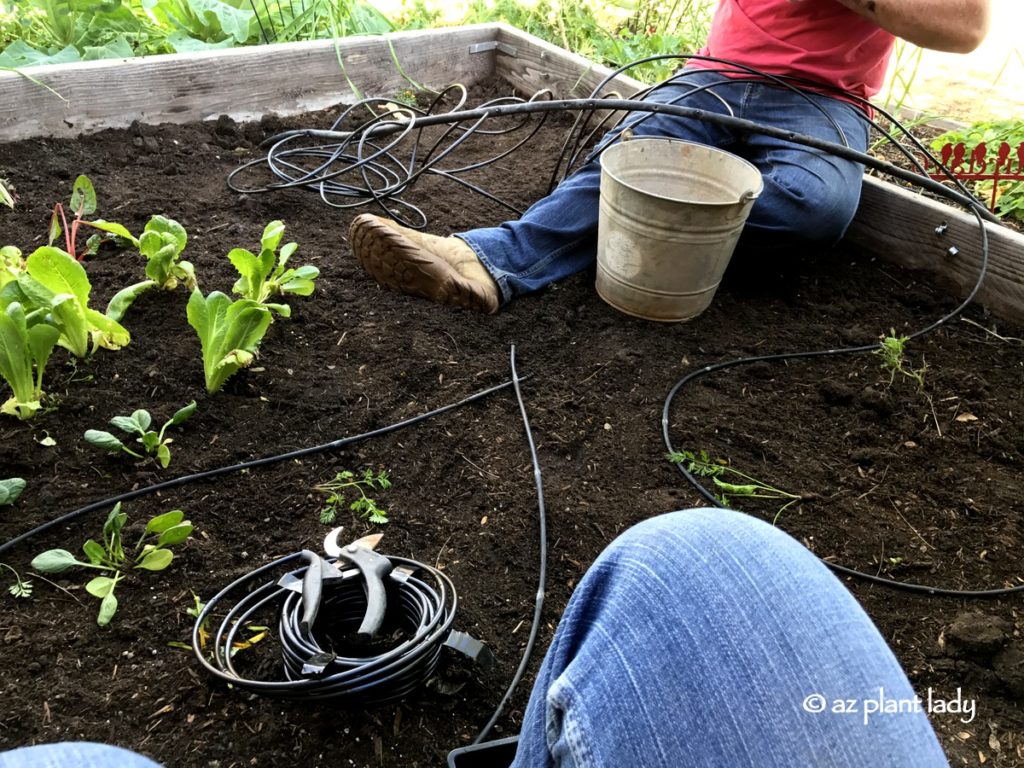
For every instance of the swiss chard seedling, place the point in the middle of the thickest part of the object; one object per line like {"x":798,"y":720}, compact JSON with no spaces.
{"x":83,"y":203}
{"x":267,"y":275}
{"x":152,"y":552}
{"x":55,"y":288}
{"x":229,"y":332}
{"x":702,"y":465}
{"x":151,"y":442}
{"x":346,"y":481}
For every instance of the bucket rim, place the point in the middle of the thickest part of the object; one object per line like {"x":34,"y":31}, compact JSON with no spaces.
{"x":748,"y":196}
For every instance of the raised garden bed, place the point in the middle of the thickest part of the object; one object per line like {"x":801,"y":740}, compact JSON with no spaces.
{"x":894,"y":481}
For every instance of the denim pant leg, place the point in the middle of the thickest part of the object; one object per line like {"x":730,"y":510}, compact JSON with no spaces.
{"x":695,"y":639}
{"x":809,"y":196}
{"x":556,"y":237}
{"x":73,"y":754}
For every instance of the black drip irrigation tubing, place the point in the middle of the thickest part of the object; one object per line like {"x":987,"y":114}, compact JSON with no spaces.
{"x":390,"y":676}
{"x":253,"y":464}
{"x":961,"y":196}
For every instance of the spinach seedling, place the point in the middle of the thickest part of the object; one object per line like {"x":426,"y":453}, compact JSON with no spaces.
{"x":702,"y":465}
{"x":229,"y":332}
{"x":261,"y":280}
{"x":892,"y":351}
{"x":21,"y":587}
{"x":366,"y":507}
{"x":10,"y":490}
{"x":151,"y":553}
{"x":153,"y":443}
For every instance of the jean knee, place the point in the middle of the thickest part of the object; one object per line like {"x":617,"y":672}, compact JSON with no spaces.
{"x":809,"y":207}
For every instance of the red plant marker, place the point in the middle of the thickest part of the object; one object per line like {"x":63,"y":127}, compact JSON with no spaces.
{"x":980,"y":165}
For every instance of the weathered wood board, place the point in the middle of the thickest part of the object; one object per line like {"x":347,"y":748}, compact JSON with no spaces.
{"x":286,"y":78}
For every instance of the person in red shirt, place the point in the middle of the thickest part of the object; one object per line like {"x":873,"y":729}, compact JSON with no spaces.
{"x":839,"y":50}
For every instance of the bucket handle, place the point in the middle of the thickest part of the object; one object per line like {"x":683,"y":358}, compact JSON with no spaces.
{"x":750,"y":194}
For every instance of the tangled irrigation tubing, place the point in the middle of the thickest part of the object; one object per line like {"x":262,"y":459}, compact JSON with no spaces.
{"x":354,"y":169}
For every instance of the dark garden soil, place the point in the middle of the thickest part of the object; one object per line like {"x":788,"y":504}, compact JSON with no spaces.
{"x":916,"y":486}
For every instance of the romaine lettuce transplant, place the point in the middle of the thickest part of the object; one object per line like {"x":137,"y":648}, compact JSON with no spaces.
{"x":10,"y":490}
{"x":261,"y":280}
{"x":229,"y":332}
{"x":152,"y":442}
{"x":24,"y":352}
{"x":150,"y":553}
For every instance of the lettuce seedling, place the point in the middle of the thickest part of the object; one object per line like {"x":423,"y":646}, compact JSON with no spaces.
{"x":56,"y":285}
{"x":151,"y":553}
{"x":11,"y":264}
{"x":229,"y":332}
{"x":10,"y":490}
{"x":24,"y":352}
{"x":153,"y":443}
{"x":261,"y":280}
{"x":161,"y":242}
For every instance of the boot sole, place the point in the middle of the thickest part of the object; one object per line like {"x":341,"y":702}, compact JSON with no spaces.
{"x":397,"y":263}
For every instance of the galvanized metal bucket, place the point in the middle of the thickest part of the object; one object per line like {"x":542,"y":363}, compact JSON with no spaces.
{"x":671,"y":214}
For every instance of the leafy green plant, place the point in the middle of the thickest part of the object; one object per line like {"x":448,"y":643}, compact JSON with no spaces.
{"x":267,"y":275}
{"x":150,"y":553}
{"x":83,"y":203}
{"x":892,"y":350}
{"x":153,"y":443}
{"x":21,"y":587}
{"x":1009,"y":194}
{"x":12,"y":264}
{"x":229,"y":332}
{"x":161,"y":242}
{"x":55,"y":286}
{"x":24,"y":352}
{"x":702,"y":465}
{"x":366,"y":507}
{"x":10,"y":490}
{"x":6,"y":198}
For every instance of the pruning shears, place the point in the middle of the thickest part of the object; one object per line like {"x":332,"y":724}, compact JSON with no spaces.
{"x":364,"y":562}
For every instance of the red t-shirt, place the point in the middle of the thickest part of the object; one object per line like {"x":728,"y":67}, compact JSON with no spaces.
{"x":820,"y":40}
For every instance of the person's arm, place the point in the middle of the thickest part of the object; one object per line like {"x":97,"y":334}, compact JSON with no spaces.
{"x":945,"y":25}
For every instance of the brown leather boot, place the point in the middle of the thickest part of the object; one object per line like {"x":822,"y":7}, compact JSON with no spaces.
{"x":442,"y":269}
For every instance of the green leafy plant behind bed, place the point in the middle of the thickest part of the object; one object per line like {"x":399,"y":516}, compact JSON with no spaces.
{"x":229,"y":332}
{"x":267,"y":275}
{"x":1010,"y":194}
{"x":151,"y":552}
{"x":151,"y":442}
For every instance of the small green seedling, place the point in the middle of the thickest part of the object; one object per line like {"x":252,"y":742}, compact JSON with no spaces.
{"x":892,"y":351}
{"x":21,"y":587}
{"x":260,"y":280}
{"x":702,"y":465}
{"x":10,"y":490}
{"x":365,"y":506}
{"x":6,"y":197}
{"x":153,"y":443}
{"x":25,"y":349}
{"x":229,"y":333}
{"x":12,"y":264}
{"x":162,"y":243}
{"x":151,"y":553}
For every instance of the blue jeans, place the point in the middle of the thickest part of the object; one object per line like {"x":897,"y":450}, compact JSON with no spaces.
{"x":809,"y":196}
{"x":703,"y":638}
{"x":700,"y":638}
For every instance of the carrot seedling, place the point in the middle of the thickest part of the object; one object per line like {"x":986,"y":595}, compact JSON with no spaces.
{"x":365,"y":506}
{"x":892,"y":351}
